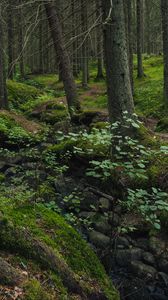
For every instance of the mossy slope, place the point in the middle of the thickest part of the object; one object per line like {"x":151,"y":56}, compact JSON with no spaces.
{"x":39,"y":234}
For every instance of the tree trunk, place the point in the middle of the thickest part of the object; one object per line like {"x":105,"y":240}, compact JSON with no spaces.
{"x":84,"y":43}
{"x":3,"y":91}
{"x":21,"y":60}
{"x":99,"y":43}
{"x":118,"y":80}
{"x":139,"y":37}
{"x":62,"y":55}
{"x":164,"y":4}
{"x":129,"y":35}
{"x":10,"y":40}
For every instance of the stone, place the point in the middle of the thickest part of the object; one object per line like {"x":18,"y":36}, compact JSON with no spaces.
{"x":125,"y":257}
{"x":102,"y":226}
{"x":99,"y":239}
{"x":114,"y":219}
{"x":148,"y":258}
{"x":122,"y":241}
{"x":164,"y":278}
{"x":163,"y":265}
{"x":143,"y":243}
{"x":87,"y":215}
{"x":2,"y":165}
{"x":142,"y":270}
{"x":156,"y":245}
{"x":88,"y":200}
{"x":104,"y":204}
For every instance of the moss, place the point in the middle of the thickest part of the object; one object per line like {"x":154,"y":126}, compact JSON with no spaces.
{"x":2,"y":177}
{"x":11,"y":131}
{"x":51,"y":228}
{"x":158,"y":167}
{"x":146,"y":137}
{"x":162,"y":125}
{"x":34,"y":291}
{"x":62,"y":148}
{"x":19,"y":92}
{"x":100,"y":125}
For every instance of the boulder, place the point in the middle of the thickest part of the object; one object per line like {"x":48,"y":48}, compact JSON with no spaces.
{"x":142,"y":270}
{"x":156,"y":245}
{"x":148,"y":258}
{"x":125,"y":257}
{"x":104,"y":204}
{"x":99,"y":239}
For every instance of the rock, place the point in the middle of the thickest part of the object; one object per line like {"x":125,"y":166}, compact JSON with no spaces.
{"x":2,"y":165}
{"x":156,"y":245}
{"x":114,"y":219}
{"x":89,"y":199}
{"x":64,"y":185}
{"x":87,"y":215}
{"x":104,"y":204}
{"x":99,"y":239}
{"x":163,"y":265}
{"x":158,"y":296}
{"x":142,"y":270}
{"x":164,"y":278}
{"x":122,"y":241}
{"x":125,"y":257}
{"x":102,"y":225}
{"x":148,"y":258}
{"x":143,"y":243}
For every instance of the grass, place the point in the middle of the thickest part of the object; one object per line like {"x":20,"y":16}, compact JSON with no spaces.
{"x":148,"y":96}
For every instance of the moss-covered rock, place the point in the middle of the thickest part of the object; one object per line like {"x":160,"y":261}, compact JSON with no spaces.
{"x":162,"y":125}
{"x":19,"y":92}
{"x":16,"y":129}
{"x":40,"y":234}
{"x":50,"y":112}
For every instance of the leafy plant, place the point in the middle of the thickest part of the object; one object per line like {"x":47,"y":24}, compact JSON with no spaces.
{"x":148,"y":204}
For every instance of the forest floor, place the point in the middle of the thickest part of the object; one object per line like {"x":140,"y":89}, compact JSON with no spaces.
{"x":54,"y":173}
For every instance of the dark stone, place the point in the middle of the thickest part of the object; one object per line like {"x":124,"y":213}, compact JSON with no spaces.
{"x":156,"y":245}
{"x":143,"y":243}
{"x":163,"y":265}
{"x":114,"y":219}
{"x":125,"y":257}
{"x":102,"y":225}
{"x":99,"y":239}
{"x":89,"y":199}
{"x":104,"y":204}
{"x":148,"y":258}
{"x":122,"y":241}
{"x":164,"y":278}
{"x":142,"y":270}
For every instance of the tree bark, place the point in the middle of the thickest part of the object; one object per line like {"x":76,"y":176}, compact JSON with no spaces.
{"x":164,"y":4}
{"x":62,"y":55}
{"x":3,"y":91}
{"x":118,"y":80}
{"x":139,"y":37}
{"x":99,"y":42}
{"x":84,"y":43}
{"x":10,"y":40}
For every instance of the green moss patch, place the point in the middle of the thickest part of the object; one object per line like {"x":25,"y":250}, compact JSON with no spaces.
{"x":44,"y":227}
{"x":20,"y":93}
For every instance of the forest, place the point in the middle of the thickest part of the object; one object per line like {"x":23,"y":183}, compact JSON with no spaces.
{"x":83,"y":150}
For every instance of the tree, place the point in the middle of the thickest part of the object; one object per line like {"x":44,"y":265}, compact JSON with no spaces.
{"x":84,"y":22}
{"x":139,"y":37}
{"x":62,"y":55}
{"x":164,"y":4}
{"x":118,"y":80}
{"x":10,"y":40}
{"x":3,"y":92}
{"x":99,"y":42}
